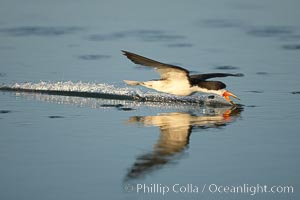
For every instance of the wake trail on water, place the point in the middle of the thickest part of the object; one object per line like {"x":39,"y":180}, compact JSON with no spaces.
{"x":108,"y":91}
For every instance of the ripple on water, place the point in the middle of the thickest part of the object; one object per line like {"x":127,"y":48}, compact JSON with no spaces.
{"x":179,"y":45}
{"x":295,"y":92}
{"x":291,"y":46}
{"x":40,"y":30}
{"x":222,"y":23}
{"x":55,"y":117}
{"x":126,"y":109}
{"x":251,"y":106}
{"x":5,"y":111}
{"x":270,"y":31}
{"x":120,"y":107}
{"x":226,"y":67}
{"x":255,"y":91}
{"x":262,"y":73}
{"x":111,"y":105}
{"x":144,"y":35}
{"x":93,"y":57}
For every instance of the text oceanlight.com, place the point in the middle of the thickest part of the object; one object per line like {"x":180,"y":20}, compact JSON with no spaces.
{"x":211,"y":188}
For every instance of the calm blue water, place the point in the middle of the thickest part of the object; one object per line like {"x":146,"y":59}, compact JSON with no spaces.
{"x":62,"y":147}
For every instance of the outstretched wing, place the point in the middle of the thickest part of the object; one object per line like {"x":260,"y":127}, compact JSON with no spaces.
{"x":213,"y":75}
{"x":166,"y":71}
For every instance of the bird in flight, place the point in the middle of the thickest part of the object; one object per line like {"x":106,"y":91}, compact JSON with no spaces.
{"x":178,"y":81}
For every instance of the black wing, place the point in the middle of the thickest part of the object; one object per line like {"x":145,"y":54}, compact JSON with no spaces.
{"x":213,"y":75}
{"x":165,"y":70}
{"x":140,"y":60}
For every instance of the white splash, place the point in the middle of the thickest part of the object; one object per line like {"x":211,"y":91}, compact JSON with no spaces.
{"x":77,"y":87}
{"x":114,"y":89}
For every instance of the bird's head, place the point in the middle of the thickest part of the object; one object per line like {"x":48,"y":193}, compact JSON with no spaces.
{"x":228,"y":94}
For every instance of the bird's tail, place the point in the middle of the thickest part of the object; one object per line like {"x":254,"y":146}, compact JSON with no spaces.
{"x":132,"y":82}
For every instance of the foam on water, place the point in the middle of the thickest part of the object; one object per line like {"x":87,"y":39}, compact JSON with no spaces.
{"x":108,"y":91}
{"x":76,"y":87}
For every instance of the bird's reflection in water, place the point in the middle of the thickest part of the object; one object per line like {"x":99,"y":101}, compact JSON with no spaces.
{"x":175,"y":130}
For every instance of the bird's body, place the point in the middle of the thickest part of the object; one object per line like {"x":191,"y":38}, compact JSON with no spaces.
{"x":177,"y":81}
{"x":180,"y":87}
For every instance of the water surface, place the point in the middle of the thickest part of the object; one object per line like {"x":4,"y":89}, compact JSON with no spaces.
{"x":60,"y":146}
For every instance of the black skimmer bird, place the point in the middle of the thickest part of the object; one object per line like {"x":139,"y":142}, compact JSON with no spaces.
{"x":178,"y":81}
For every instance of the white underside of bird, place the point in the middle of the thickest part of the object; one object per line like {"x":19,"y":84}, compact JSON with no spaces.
{"x":180,"y":88}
